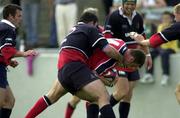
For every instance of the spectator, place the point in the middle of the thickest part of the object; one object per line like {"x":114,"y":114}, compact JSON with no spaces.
{"x":65,"y":16}
{"x":107,"y":6}
{"x":171,"y":2}
{"x":30,"y":17}
{"x":53,"y":43}
{"x":17,"y":2}
{"x":164,"y":51}
{"x":151,"y":4}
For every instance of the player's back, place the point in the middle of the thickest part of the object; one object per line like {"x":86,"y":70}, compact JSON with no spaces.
{"x":100,"y":62}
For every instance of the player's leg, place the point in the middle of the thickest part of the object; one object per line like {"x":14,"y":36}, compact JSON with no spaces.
{"x":56,"y":92}
{"x":177,"y":92}
{"x":96,"y":92}
{"x":92,"y":110}
{"x":79,"y":80}
{"x":2,"y":98}
{"x":71,"y":106}
{"x":121,"y":88}
{"x":8,"y":103}
{"x":124,"y":106}
{"x":6,"y":96}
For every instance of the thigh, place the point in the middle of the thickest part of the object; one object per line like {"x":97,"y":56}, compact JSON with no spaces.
{"x":122,"y":85}
{"x":2,"y":96}
{"x":9,"y":98}
{"x":74,"y":76}
{"x":56,"y":91}
{"x":94,"y":92}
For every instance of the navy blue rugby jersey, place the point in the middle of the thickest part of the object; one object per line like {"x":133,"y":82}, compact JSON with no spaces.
{"x":84,"y":38}
{"x":171,"y":33}
{"x":119,"y":25}
{"x":7,"y":41}
{"x":7,"y":34}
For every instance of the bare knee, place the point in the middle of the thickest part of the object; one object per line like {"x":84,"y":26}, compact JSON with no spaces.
{"x":118,"y":95}
{"x":9,"y":102}
{"x":53,"y":97}
{"x":56,"y":92}
{"x":74,"y":101}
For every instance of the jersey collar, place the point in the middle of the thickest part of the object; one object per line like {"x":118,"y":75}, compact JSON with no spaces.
{"x":129,"y":20}
{"x":8,"y":22}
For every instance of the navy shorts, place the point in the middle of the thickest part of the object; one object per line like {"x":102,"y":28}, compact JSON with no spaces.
{"x":3,"y":76}
{"x":75,"y":75}
{"x":132,"y":76}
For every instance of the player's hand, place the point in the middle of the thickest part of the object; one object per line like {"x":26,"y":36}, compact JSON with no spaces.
{"x":109,"y":78}
{"x":137,"y":37}
{"x":13,"y":63}
{"x":30,"y":53}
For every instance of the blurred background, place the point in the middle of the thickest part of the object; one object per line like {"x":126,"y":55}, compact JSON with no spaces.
{"x":39,"y":31}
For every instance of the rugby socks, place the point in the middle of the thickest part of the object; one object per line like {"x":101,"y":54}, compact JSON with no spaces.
{"x":124,"y":109}
{"x":107,"y":112}
{"x":113,"y":101}
{"x":92,"y":111}
{"x":69,"y":111}
{"x":5,"y":113}
{"x":0,"y":113}
{"x":38,"y":107}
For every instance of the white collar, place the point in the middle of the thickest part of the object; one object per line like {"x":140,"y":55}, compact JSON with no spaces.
{"x":129,"y":20}
{"x":8,"y":22}
{"x":79,"y":23}
{"x":121,"y":13}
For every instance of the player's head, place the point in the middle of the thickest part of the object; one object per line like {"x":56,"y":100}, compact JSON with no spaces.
{"x":177,"y":12}
{"x":91,"y":10}
{"x":167,"y":17}
{"x":89,"y":15}
{"x":129,"y":6}
{"x":13,"y":14}
{"x":134,"y":58}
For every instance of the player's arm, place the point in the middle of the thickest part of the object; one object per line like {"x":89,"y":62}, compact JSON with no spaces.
{"x":25,"y":54}
{"x":154,"y":41}
{"x":98,"y":41}
{"x":112,"y":52}
{"x":10,"y":52}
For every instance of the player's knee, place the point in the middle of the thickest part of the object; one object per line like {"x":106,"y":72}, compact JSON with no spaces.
{"x":9,"y":102}
{"x":52,"y":97}
{"x":119,"y":95}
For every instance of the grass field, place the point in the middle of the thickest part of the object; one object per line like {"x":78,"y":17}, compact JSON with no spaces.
{"x":149,"y":101}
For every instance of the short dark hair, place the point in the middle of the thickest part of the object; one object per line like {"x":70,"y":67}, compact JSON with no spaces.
{"x":10,"y":9}
{"x":87,"y":17}
{"x":139,"y":56}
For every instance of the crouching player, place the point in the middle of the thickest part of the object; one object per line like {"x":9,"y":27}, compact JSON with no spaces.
{"x":117,"y":70}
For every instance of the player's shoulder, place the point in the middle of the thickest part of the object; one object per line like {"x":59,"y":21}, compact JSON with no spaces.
{"x":177,"y":24}
{"x":5,"y":27}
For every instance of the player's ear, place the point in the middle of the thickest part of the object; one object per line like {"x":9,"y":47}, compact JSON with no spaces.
{"x":130,"y":59}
